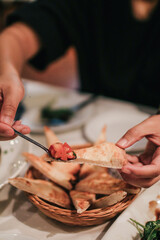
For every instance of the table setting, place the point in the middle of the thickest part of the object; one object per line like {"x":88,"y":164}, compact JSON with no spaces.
{"x":19,"y":217}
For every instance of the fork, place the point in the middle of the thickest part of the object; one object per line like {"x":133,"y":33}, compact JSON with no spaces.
{"x":39,"y":145}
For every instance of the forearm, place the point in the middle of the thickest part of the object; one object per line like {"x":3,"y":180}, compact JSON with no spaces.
{"x":18,"y":43}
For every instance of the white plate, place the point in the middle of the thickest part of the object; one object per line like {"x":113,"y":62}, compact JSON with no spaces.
{"x":12,"y":162}
{"x":118,"y":122}
{"x":139,"y":210}
{"x":14,"y":236}
{"x":37,"y":96}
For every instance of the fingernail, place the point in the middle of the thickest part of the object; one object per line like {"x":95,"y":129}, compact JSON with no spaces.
{"x":18,"y":122}
{"x":126,"y":170}
{"x":122,"y":142}
{"x":25,"y":131}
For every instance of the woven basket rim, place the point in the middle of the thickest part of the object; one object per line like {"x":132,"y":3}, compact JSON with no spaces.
{"x":88,"y":211}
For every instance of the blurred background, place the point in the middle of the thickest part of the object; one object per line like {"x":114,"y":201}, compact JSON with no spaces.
{"x":63,"y":72}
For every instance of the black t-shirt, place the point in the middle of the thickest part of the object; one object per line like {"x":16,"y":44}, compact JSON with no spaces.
{"x":118,"y":56}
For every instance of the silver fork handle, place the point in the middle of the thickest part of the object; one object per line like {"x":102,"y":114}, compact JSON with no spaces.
{"x":32,"y":141}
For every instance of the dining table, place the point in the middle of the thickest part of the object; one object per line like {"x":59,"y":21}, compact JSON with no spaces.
{"x":19,"y":218}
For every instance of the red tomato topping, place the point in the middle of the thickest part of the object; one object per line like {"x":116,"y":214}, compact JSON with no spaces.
{"x":70,"y":155}
{"x":61,"y":151}
{"x":52,"y":151}
{"x":57,"y":146}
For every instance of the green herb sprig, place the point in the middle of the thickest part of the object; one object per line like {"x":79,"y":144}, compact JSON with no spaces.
{"x":151,"y":230}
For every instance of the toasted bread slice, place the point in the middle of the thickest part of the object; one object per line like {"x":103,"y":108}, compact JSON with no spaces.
{"x":104,"y":183}
{"x":51,"y":137}
{"x":99,"y":183}
{"x":109,"y":200}
{"x":82,"y":200}
{"x":105,"y":154}
{"x":87,"y":169}
{"x":51,"y":172}
{"x":66,"y":167}
{"x":79,"y":146}
{"x":130,"y":189}
{"x":44,"y":189}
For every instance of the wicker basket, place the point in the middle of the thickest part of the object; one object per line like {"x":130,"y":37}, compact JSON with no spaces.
{"x":71,"y":217}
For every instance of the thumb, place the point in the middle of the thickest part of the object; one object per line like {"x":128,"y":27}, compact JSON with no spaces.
{"x":133,"y":135}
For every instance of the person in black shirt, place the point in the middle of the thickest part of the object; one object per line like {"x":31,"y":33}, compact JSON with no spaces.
{"x":117,"y":44}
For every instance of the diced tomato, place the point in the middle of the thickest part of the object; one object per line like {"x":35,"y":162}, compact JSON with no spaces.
{"x":64,"y":157}
{"x":57,"y":155}
{"x":70,"y":155}
{"x":57,"y":146}
{"x":52,"y":151}
{"x":61,"y":151}
{"x":67,"y":147}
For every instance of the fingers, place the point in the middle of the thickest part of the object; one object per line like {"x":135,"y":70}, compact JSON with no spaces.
{"x":132,"y":158}
{"x":151,"y":170}
{"x":132,"y":135}
{"x":138,"y":174}
{"x":143,"y":171}
{"x":7,"y":133}
{"x":17,"y":123}
{"x":146,"y":156}
{"x":139,"y":182}
{"x":21,"y":128}
{"x":11,"y":93}
{"x":9,"y":107}
{"x":6,"y":130}
{"x":148,"y":128}
{"x":10,"y":96}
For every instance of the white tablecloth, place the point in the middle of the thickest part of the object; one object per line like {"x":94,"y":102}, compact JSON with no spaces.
{"x":19,"y":219}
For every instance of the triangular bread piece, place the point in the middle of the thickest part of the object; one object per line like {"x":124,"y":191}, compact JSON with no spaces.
{"x":88,"y":169}
{"x":51,"y":172}
{"x":44,"y":189}
{"x":64,"y":167}
{"x":83,"y":145}
{"x":109,"y":200}
{"x":50,"y":136}
{"x":105,"y":154}
{"x":82,"y":200}
{"x":104,"y":183}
